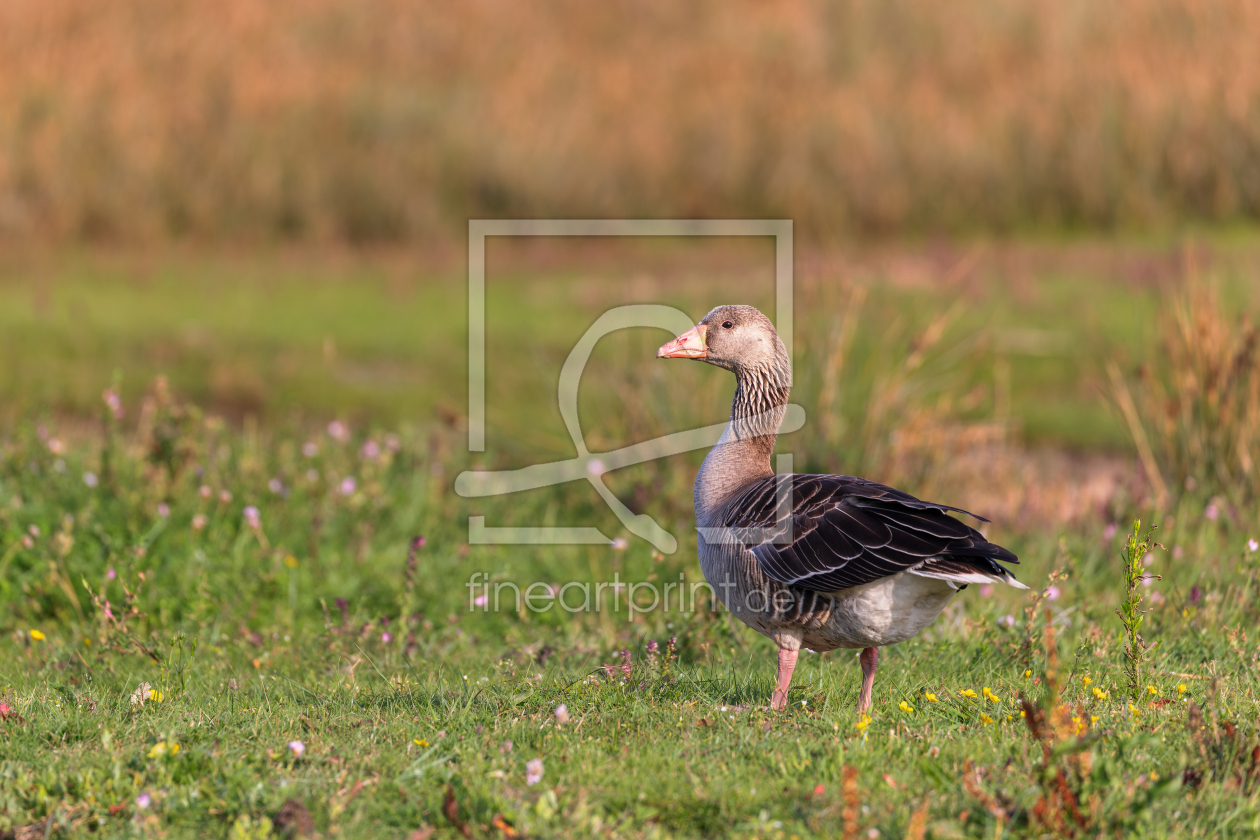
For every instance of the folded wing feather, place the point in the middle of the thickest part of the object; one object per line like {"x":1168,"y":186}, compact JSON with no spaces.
{"x":847,"y":531}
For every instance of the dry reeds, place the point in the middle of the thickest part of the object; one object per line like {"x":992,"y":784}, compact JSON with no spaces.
{"x":1200,"y":397}
{"x":399,"y":119}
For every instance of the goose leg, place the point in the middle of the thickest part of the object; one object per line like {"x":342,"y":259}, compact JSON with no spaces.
{"x":870,"y":661}
{"x":787,"y":663}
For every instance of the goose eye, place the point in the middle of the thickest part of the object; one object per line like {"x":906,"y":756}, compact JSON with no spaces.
{"x":726,"y":325}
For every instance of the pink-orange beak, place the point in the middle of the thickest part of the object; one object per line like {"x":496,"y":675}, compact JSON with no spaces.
{"x":689,"y":345}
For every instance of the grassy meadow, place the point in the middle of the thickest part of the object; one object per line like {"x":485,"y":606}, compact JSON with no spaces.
{"x":217,"y":619}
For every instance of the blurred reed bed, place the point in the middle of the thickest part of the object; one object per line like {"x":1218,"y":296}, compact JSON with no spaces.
{"x":395,"y":120}
{"x":1195,"y":408}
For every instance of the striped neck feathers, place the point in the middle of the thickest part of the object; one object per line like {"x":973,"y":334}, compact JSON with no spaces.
{"x":761,"y":397}
{"x":743,"y":453}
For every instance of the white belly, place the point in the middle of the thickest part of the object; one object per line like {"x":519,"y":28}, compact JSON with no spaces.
{"x":880,"y":613}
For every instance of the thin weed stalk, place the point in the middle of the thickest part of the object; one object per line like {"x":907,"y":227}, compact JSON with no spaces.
{"x":1136,"y":650}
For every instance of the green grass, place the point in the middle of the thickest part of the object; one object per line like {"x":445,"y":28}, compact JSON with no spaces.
{"x":404,"y":702}
{"x":384,"y":340}
{"x":251,"y":652}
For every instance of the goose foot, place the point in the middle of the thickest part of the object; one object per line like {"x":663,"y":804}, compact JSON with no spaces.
{"x":787,"y":663}
{"x":870,"y":661}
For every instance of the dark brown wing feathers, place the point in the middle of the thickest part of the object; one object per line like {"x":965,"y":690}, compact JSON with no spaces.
{"x":848,"y":531}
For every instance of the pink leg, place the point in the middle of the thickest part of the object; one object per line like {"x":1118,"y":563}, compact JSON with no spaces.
{"x":870,"y":661}
{"x":787,"y":663}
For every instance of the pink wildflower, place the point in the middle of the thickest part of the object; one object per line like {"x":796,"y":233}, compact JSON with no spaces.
{"x":110,"y":396}
{"x":533,"y":771}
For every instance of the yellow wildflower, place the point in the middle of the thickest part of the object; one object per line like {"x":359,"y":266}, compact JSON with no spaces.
{"x":931,"y":698}
{"x":1133,"y":710}
{"x":1150,"y":689}
{"x":985,"y":719}
{"x":37,"y":636}
{"x":1027,"y":674}
{"x":1093,"y":718}
{"x":162,"y":748}
{"x":990,"y":696}
{"x":1099,"y":694}
{"x":420,"y":742}
{"x":1181,"y":689}
{"x":967,"y":692}
{"x":862,"y":722}
{"x":1022,"y":713}
{"x":291,"y":561}
{"x":1086,"y":681}
{"x":905,"y":707}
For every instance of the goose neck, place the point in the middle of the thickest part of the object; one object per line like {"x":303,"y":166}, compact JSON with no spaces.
{"x":744,"y":451}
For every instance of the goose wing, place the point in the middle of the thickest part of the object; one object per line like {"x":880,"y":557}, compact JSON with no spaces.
{"x":829,"y":532}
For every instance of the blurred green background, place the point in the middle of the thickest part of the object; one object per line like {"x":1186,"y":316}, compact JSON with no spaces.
{"x":382,"y":339}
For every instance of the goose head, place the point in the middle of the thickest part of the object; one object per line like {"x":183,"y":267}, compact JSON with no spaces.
{"x":737,"y":338}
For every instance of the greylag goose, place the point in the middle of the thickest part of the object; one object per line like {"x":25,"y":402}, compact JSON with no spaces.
{"x":815,"y":561}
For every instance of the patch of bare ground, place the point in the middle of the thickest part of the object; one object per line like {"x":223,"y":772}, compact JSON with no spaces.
{"x":981,"y":468}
